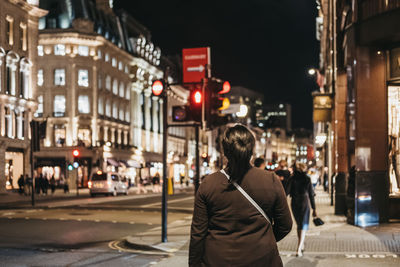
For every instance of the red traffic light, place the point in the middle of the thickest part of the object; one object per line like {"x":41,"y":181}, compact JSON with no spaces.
{"x":226,"y":87}
{"x":197,"y":97}
{"x":76,"y":153}
{"x":157,"y":87}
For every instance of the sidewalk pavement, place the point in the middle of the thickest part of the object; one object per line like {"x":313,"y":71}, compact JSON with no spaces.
{"x":335,"y":237}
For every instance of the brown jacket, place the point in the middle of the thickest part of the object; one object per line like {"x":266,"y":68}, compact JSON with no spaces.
{"x":227,"y":230}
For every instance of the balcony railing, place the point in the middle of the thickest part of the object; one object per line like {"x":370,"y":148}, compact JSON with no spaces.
{"x":370,"y":8}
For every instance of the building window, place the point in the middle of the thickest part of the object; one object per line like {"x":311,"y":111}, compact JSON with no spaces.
{"x":83,"y":104}
{"x":59,"y":106}
{"x":24,"y":83}
{"x":127,"y":115}
{"x":23,"y":39}
{"x":10,"y":29}
{"x":126,"y":69}
{"x":115,"y":111}
{"x":99,"y":54}
{"x":19,"y":127}
{"x":108,"y":82}
{"x":128,"y":92}
{"x":99,"y":81}
{"x":83,"y":50}
{"x":40,"y":77}
{"x":40,"y":50}
{"x":115,"y":87}
{"x":121,"y":113}
{"x":8,"y":127}
{"x":121,"y":90}
{"x":84,"y":137}
{"x":114,"y":62}
{"x":59,"y":77}
{"x":107,"y":57}
{"x":100,"y":106}
{"x":39,"y":111}
{"x":120,"y":66}
{"x":10,"y":76}
{"x":59,"y":50}
{"x":59,"y":135}
{"x":83,"y":78}
{"x":143,"y":117}
{"x":108,"y":108}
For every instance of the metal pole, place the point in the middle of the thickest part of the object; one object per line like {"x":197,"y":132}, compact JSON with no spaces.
{"x":31,"y":161}
{"x":197,"y":177}
{"x":77,"y":183}
{"x":164,"y":210}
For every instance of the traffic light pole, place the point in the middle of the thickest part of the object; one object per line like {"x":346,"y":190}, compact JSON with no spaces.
{"x":32,"y":185}
{"x":197,"y":178}
{"x":164,"y":156}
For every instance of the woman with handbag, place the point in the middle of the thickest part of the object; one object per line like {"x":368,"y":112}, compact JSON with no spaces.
{"x":302,"y":193}
{"x":240,"y":212}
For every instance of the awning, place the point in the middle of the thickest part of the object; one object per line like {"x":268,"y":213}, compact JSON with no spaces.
{"x":112,"y":162}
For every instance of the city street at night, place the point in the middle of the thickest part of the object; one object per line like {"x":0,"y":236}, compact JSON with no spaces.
{"x":260,"y":133}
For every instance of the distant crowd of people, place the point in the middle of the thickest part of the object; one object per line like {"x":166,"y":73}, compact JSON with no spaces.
{"x":42,"y":184}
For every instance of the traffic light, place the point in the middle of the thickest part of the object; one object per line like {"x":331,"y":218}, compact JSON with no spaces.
{"x":215,"y":102}
{"x":195,"y":104}
{"x":75,"y":153}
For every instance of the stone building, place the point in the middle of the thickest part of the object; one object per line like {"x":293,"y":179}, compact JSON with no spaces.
{"x":95,"y":73}
{"x":18,"y":50}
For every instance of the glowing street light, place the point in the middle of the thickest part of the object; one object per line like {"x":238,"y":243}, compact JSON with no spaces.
{"x":311,"y":71}
{"x":242,"y":111}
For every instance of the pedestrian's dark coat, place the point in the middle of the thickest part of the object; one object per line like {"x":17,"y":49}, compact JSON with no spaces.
{"x":302,"y":194}
{"x":227,"y":230}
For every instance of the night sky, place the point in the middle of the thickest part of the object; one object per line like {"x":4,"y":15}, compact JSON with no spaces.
{"x":264,"y":45}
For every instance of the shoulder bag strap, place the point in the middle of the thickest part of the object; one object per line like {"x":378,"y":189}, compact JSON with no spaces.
{"x":249,"y":198}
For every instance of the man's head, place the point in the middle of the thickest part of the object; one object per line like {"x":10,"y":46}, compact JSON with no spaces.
{"x":259,"y":163}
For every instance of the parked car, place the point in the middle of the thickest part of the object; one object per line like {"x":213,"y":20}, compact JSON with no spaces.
{"x":108,"y":183}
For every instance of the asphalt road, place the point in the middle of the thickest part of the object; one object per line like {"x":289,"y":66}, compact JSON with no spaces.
{"x":83,"y":234}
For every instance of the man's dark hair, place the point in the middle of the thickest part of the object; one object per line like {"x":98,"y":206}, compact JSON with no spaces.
{"x":238,"y":144}
{"x":258,"y":162}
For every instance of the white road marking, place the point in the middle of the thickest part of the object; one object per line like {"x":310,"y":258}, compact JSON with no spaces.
{"x":170,"y":201}
{"x":114,"y":221}
{"x":132,"y":222}
{"x":26,"y":218}
{"x":97,"y":220}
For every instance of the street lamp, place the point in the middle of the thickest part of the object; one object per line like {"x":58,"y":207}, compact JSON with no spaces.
{"x":312,"y":71}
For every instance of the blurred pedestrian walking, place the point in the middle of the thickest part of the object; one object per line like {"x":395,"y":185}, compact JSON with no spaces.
{"x":302,"y":194}
{"x":227,"y":228}
{"x":156,"y":183}
{"x":283,"y":173}
{"x":21,"y":184}
{"x":27,"y":185}
{"x":53,"y":184}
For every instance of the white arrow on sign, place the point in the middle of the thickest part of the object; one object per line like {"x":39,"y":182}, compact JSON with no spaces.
{"x":199,"y":68}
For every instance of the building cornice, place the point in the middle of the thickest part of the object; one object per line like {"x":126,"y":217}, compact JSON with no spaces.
{"x":32,"y":10}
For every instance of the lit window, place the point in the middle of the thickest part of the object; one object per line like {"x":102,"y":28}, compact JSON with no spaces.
{"x":115,"y":111}
{"x":84,"y":137}
{"x":83,"y":50}
{"x":99,"y":53}
{"x":121,"y":114}
{"x":23,"y":40}
{"x":108,"y":108}
{"x":59,"y":135}
{"x":83,"y":104}
{"x":59,"y":77}
{"x":59,"y":50}
{"x":99,"y":81}
{"x":40,"y":50}
{"x":115,"y":87}
{"x":39,"y":111}
{"x":126,"y":69}
{"x":83,"y":78}
{"x":108,"y":82}
{"x":127,"y":115}
{"x":40,"y":77}
{"x":100,"y":107}
{"x":8,"y":122}
{"x":120,"y":65}
{"x":128,"y":92}
{"x":10,"y":29}
{"x":107,"y":57}
{"x":59,"y":106}
{"x":121,"y":90}
{"x":114,"y":62}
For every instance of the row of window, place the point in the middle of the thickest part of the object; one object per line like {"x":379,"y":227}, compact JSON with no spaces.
{"x":22,"y":32}
{"x":59,"y":107}
{"x":83,"y":50}
{"x":83,"y":80}
{"x":15,"y":86}
{"x":14,"y":123}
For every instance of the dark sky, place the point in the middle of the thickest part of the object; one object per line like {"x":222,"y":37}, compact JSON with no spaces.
{"x":264,"y":45}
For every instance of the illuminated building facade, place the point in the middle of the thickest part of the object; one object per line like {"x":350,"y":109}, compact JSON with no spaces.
{"x":361,"y":66}
{"x":18,"y":44}
{"x":94,"y":89}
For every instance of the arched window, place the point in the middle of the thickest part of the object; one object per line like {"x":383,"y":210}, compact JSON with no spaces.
{"x":11,"y":68}
{"x":8,"y":122}
{"x":2,"y":55}
{"x":25,"y":71}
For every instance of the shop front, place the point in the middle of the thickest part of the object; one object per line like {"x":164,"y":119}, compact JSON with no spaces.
{"x":14,"y":167}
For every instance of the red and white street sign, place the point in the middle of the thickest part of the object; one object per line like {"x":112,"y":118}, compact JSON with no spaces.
{"x":194,"y":61}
